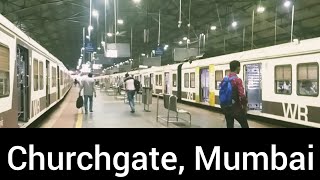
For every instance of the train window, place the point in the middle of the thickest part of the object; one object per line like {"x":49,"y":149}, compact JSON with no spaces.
{"x":54,"y":77}
{"x":186,"y":80}
{"x":219,"y":78}
{"x":41,"y":75}
{"x":157,"y":80}
{"x":35,"y":75}
{"x":192,"y":80}
{"x":283,"y":79}
{"x":61,"y":77}
{"x":160,"y":80}
{"x":227,"y":72}
{"x":4,"y":72}
{"x":174,"y":80}
{"x":146,"y":81}
{"x":308,"y":79}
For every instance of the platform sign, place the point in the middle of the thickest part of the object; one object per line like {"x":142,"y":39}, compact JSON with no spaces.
{"x":151,"y":61}
{"x":181,"y":54}
{"x":117,"y":50}
{"x":89,"y":48}
{"x":159,"y":51}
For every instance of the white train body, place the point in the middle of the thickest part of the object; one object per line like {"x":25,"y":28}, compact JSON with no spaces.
{"x":32,"y":80}
{"x":281,"y":82}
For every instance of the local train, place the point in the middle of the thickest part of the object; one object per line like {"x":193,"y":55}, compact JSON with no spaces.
{"x":281,"y":81}
{"x":32,"y":80}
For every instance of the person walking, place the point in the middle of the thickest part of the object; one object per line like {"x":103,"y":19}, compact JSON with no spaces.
{"x":236,"y":108}
{"x":87,"y":85}
{"x":130,"y":90}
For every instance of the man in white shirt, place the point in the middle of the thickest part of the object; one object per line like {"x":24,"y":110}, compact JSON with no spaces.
{"x":87,"y":84}
{"x":131,"y":91}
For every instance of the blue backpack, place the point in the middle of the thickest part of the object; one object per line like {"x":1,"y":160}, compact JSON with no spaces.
{"x":225,"y":94}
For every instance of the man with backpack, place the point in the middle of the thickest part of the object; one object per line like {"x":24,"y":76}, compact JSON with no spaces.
{"x":233,"y":100}
{"x":131,"y":86}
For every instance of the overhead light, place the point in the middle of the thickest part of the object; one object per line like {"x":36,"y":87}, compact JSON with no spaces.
{"x":95,"y":13}
{"x":99,"y":48}
{"x":143,"y":55}
{"x":261,"y":9}
{"x":180,"y":42}
{"x":185,"y":38}
{"x":90,"y":27}
{"x":234,"y":24}
{"x":87,"y":37}
{"x":287,"y":3}
{"x":136,"y":1}
{"x":120,"y":21}
{"x":213,"y":28}
{"x":109,"y":34}
{"x":117,"y":32}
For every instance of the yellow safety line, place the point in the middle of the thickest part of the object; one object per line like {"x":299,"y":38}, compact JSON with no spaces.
{"x":79,"y":119}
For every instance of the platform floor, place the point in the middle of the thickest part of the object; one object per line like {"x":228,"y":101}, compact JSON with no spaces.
{"x":112,"y":112}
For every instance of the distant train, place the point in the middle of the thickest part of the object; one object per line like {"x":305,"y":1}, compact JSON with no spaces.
{"x":281,"y":82}
{"x":31,"y":79}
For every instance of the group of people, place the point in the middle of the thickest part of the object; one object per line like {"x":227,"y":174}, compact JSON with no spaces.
{"x":87,"y":84}
{"x":236,"y":111}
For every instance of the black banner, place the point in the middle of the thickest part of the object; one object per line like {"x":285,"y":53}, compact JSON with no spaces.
{"x":160,"y":153}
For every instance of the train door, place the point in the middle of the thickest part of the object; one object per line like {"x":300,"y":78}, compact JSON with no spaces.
{"x":253,"y":82}
{"x":204,"y":85}
{"x":58,"y":81}
{"x":167,"y":83}
{"x":23,"y":83}
{"x":152,"y":82}
{"x":48,"y":83}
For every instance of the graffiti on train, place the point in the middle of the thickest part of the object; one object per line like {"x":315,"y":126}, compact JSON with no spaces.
{"x":36,"y":107}
{"x":190,"y":96}
{"x":295,"y":111}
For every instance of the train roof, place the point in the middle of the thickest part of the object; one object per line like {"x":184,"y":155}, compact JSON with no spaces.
{"x":14,"y":29}
{"x":277,"y":51}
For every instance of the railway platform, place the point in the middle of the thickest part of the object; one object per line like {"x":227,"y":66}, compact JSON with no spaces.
{"x":111,"y":111}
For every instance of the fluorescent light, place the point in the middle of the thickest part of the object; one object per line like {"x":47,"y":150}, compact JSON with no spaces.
{"x":109,"y":34}
{"x":287,"y":3}
{"x":136,"y":1}
{"x":120,"y":21}
{"x":213,"y":28}
{"x":235,"y":24}
{"x":95,"y":13}
{"x":261,"y":9}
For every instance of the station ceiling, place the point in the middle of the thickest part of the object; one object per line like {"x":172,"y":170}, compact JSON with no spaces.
{"x":58,"y":24}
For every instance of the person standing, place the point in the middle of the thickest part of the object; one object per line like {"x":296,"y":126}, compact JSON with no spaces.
{"x":87,"y":85}
{"x":238,"y":109}
{"x":130,"y":90}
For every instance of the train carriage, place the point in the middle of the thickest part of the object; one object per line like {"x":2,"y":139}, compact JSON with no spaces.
{"x":31,"y":79}
{"x":281,"y":82}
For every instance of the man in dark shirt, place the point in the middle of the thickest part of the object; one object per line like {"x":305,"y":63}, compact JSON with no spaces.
{"x":238,"y":110}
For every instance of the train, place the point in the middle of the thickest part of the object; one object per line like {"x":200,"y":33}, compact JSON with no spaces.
{"x":32,"y":80}
{"x":281,"y":81}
